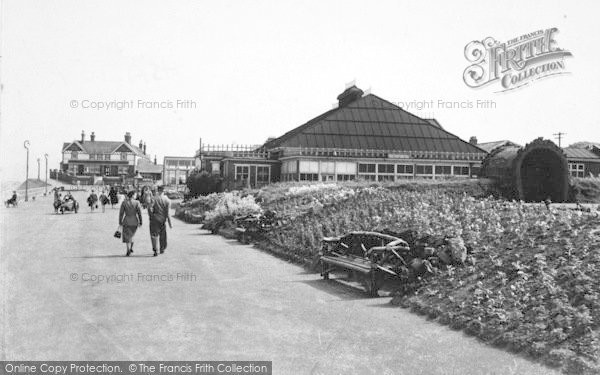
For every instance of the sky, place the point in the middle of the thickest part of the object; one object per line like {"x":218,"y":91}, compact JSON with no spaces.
{"x":244,"y":71}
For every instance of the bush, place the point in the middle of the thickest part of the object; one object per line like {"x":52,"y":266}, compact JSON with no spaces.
{"x":203,"y":183}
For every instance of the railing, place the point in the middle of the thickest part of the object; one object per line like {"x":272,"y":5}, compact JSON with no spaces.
{"x":383,"y":154}
{"x":236,"y":151}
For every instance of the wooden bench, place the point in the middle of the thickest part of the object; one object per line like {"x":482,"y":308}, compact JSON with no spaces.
{"x":372,"y":255}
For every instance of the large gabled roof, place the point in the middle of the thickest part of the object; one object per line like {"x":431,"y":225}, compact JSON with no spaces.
{"x":100,"y":147}
{"x":370,"y":122}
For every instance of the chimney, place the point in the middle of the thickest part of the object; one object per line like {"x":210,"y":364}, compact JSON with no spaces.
{"x":93,"y":137}
{"x":154,"y":159}
{"x":349,"y":95}
{"x":140,"y":145}
{"x":144,"y":148}
{"x":128,"y":138}
{"x":82,"y":136}
{"x":473,"y":140}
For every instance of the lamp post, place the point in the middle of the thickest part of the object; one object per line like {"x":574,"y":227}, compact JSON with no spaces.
{"x":38,"y":160}
{"x":26,"y":145}
{"x":46,"y":178}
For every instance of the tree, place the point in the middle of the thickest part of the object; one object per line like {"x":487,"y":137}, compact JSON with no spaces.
{"x":204,"y":183}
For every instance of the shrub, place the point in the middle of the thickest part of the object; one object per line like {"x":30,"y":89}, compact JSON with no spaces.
{"x":203,"y":183}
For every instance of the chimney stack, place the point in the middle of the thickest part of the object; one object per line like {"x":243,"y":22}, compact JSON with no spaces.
{"x":154,"y":159}
{"x":93,"y":137}
{"x":82,"y":136}
{"x":144,"y":148}
{"x":128,"y":138}
{"x":473,"y":140}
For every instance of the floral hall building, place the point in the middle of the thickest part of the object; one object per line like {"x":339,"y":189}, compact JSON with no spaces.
{"x":364,"y":137}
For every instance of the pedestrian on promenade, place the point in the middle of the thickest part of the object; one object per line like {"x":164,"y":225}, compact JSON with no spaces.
{"x":158,"y":212}
{"x":146,"y":197}
{"x":12,"y":201}
{"x":112,"y":194}
{"x":130,"y":218}
{"x":93,"y":200}
{"x":103,"y":200}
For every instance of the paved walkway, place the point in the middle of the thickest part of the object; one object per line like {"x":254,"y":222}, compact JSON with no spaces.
{"x":69,"y":293}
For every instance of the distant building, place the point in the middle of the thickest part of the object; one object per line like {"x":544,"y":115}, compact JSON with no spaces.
{"x":90,"y":161}
{"x":583,"y":158}
{"x":365,"y":137}
{"x":583,"y":162}
{"x":176,"y":169}
{"x":150,"y":172}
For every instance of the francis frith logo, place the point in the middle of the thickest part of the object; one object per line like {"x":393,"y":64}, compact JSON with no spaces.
{"x":514,"y":63}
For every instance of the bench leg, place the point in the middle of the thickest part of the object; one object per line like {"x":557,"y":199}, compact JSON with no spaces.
{"x":324,"y":271}
{"x":373,"y":282}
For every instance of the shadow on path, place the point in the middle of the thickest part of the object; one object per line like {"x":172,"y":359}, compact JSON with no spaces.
{"x":336,"y":288}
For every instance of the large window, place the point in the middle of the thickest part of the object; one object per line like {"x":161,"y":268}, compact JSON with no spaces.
{"x":345,"y":177}
{"x":74,"y":154}
{"x":366,"y":168}
{"x":242,"y":172}
{"x":443,"y":170}
{"x":385,"y":168}
{"x":385,"y":172}
{"x":262,"y":174}
{"x":123,"y":156}
{"x":460,"y":170}
{"x":577,"y":169}
{"x":406,"y":169}
{"x":424,"y":170}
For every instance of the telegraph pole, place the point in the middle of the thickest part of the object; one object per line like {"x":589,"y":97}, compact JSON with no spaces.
{"x":26,"y":145}
{"x":559,"y":136}
{"x":38,"y":160}
{"x":46,"y":156}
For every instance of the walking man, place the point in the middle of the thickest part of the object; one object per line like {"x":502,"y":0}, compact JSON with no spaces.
{"x":158,"y":211}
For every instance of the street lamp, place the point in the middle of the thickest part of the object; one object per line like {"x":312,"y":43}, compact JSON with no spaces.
{"x":26,"y":145}
{"x":38,"y":160}
{"x":46,"y":156}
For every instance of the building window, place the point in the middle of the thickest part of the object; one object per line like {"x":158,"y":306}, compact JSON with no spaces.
{"x":74,"y":154}
{"x":242,"y":172}
{"x":461,"y":171}
{"x":366,"y":168}
{"x":309,"y":177}
{"x":404,"y":169}
{"x":385,"y":168}
{"x":107,"y":170}
{"x":577,"y":170}
{"x":443,"y":170}
{"x":309,"y":166}
{"x":123,"y":156}
{"x":215,"y":167}
{"x":424,"y":169}
{"x":345,"y":177}
{"x":92,"y":156}
{"x":262,"y":174}
{"x":106,"y":156}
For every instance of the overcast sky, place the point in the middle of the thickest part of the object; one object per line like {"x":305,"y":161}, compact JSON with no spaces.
{"x":257,"y":69}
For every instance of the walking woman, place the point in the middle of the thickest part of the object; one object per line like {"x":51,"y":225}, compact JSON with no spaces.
{"x":103,"y":200}
{"x":130,"y":218}
{"x":114,"y":198}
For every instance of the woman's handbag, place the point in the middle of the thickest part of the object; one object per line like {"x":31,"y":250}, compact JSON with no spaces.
{"x":118,"y":232}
